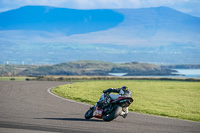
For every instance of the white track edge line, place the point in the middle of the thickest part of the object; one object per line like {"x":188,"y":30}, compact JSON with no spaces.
{"x":49,"y":91}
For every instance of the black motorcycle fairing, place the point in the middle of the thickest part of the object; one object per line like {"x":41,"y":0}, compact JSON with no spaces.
{"x":108,"y":109}
{"x":124,"y":102}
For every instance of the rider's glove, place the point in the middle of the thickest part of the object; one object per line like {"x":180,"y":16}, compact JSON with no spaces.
{"x":104,"y":91}
{"x":108,"y":90}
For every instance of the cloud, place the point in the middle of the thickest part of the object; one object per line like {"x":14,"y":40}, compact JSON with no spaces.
{"x":187,"y":6}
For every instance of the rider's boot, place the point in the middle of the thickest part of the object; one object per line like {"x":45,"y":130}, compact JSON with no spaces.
{"x":126,"y":112}
{"x":125,"y":115}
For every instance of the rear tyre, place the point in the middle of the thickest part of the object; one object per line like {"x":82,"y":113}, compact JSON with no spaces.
{"x":89,"y":113}
{"x":114,"y":114}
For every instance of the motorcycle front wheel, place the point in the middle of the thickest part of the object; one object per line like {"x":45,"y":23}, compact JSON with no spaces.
{"x":89,"y":114}
{"x":114,"y":114}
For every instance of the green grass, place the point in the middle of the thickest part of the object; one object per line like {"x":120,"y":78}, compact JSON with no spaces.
{"x":176,"y":99}
{"x":13,"y":78}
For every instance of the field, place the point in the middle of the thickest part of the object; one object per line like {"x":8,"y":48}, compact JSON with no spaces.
{"x":16,"y":78}
{"x":176,"y":99}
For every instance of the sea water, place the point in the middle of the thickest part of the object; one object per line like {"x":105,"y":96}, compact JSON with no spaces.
{"x":188,"y":73}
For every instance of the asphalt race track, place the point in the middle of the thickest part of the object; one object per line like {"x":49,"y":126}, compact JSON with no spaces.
{"x":27,"y":107}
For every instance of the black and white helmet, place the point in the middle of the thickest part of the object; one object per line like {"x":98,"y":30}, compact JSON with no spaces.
{"x":125,"y":91}
{"x":124,"y":88}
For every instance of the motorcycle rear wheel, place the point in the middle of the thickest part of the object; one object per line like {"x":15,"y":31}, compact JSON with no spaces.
{"x":114,"y":114}
{"x":89,"y":114}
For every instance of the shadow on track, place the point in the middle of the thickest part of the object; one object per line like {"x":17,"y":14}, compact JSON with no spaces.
{"x":72,"y":119}
{"x":34,"y":127}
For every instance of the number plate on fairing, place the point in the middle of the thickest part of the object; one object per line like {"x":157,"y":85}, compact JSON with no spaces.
{"x":98,"y":113}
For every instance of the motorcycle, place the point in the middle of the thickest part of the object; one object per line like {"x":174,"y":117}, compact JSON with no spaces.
{"x":111,"y":109}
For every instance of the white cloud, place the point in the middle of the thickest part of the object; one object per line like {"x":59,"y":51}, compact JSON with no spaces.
{"x":187,"y":6}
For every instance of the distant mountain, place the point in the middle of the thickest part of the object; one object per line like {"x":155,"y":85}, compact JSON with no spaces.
{"x":159,"y":18}
{"x":49,"y":35}
{"x":69,"y":21}
{"x":148,"y":26}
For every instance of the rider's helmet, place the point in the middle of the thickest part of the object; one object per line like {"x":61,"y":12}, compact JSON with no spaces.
{"x":124,"y":88}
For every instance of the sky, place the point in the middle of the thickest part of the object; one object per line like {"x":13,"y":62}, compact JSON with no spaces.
{"x":191,"y":7}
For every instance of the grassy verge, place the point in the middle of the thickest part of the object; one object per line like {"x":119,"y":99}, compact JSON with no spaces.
{"x":20,"y":78}
{"x":88,"y":78}
{"x":176,"y":99}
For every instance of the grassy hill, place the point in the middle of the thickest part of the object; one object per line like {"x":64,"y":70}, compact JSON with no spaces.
{"x":50,"y":35}
{"x":52,"y":19}
{"x":91,"y":68}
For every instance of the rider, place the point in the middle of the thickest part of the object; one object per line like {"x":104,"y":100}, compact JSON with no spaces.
{"x":124,"y":91}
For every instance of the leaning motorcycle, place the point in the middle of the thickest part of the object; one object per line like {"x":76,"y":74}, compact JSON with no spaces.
{"x":109,"y":110}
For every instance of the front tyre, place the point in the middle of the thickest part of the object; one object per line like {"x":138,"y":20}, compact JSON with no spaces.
{"x":114,"y":114}
{"x":89,"y":114}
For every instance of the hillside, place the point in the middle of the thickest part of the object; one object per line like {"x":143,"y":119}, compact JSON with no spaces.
{"x":63,"y":20}
{"x":50,"y":35}
{"x":91,"y":68}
